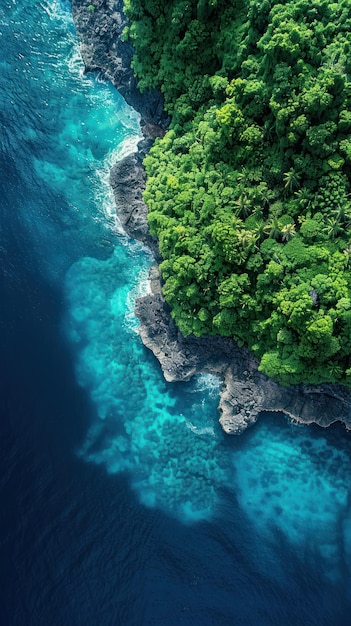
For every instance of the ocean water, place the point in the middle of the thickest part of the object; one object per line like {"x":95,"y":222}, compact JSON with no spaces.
{"x":122,"y":502}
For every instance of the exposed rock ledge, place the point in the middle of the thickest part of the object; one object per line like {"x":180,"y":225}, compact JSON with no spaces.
{"x":103,"y":49}
{"x":245,"y":392}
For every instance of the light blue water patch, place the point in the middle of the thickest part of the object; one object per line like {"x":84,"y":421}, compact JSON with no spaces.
{"x":144,"y":425}
{"x":89,"y":126}
{"x":65,"y":129}
{"x":294,"y":483}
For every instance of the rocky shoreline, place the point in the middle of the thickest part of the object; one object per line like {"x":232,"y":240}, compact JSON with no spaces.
{"x":245,"y":392}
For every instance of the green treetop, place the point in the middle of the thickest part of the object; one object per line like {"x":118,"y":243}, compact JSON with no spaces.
{"x":249,"y":190}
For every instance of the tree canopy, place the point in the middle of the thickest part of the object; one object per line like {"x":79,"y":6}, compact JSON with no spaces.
{"x":249,"y":190}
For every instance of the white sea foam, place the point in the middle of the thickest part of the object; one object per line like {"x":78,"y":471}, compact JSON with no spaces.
{"x":198,"y":430}
{"x":103,"y":191}
{"x":141,"y":288}
{"x":75,"y":64}
{"x":208,"y":382}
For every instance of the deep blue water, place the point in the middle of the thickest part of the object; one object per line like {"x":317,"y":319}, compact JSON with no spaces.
{"x":122,"y":502}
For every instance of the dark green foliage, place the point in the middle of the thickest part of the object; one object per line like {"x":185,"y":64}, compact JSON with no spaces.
{"x":249,"y":190}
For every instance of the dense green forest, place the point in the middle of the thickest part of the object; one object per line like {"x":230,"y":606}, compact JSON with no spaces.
{"x":249,"y":190}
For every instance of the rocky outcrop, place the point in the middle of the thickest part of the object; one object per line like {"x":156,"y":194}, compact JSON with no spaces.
{"x":103,"y":49}
{"x":245,"y":392}
{"x":242,"y":400}
{"x":127,"y":179}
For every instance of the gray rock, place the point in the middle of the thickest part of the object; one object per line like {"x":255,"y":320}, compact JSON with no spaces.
{"x":103,"y":50}
{"x":246,"y":392}
{"x":127,"y":179}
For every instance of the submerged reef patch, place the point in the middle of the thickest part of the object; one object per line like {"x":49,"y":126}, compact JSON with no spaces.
{"x":142,"y":424}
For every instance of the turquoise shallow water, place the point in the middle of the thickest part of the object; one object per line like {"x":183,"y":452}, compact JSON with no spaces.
{"x":296,"y":485}
{"x":252,"y":530}
{"x":142,"y":425}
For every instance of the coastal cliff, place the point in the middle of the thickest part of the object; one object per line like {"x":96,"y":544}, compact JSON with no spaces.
{"x":246,"y":392}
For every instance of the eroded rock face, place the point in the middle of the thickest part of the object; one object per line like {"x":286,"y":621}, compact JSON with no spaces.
{"x":127,"y":179}
{"x":242,"y":400}
{"x":103,"y":49}
{"x":180,"y":357}
{"x":245,"y":392}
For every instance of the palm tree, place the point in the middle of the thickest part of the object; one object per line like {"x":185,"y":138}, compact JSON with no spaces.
{"x":259,"y":229}
{"x":343,"y":213}
{"x":247,"y":239}
{"x":264,"y":194}
{"x":288,"y":231}
{"x":243,"y":176}
{"x":239,"y":256}
{"x":334,"y":370}
{"x":304,"y":197}
{"x":333,"y":228}
{"x":291,"y":180}
{"x":244,"y":204}
{"x":273,"y":226}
